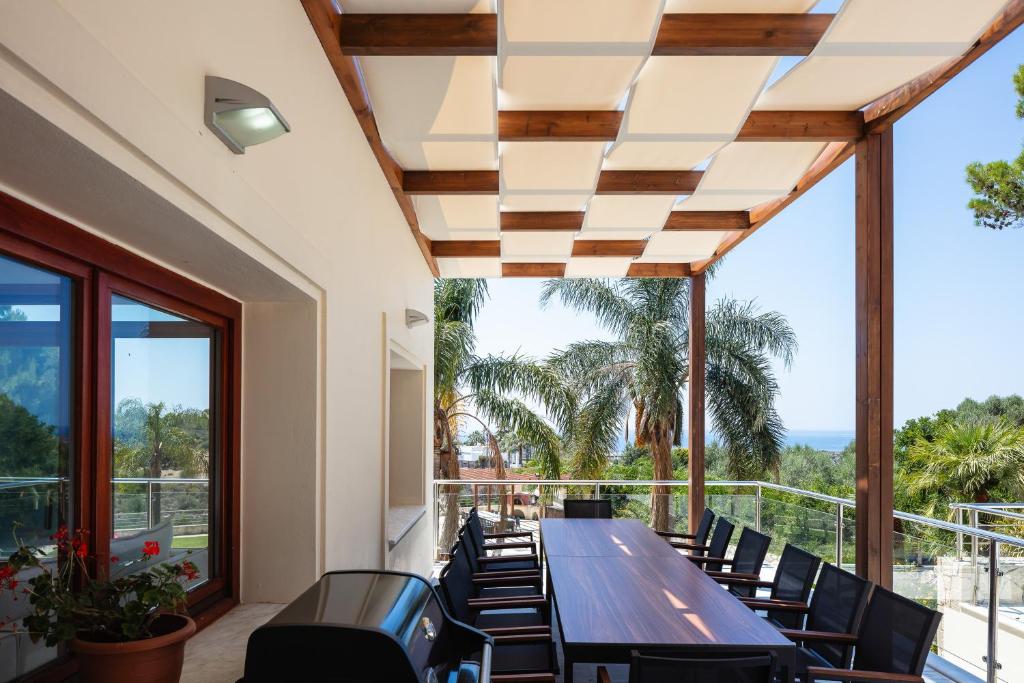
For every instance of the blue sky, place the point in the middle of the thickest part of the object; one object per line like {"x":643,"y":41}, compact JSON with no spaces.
{"x":959,"y":295}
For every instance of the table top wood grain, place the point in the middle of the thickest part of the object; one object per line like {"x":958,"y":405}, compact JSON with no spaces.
{"x":601,"y":538}
{"x":645,"y":600}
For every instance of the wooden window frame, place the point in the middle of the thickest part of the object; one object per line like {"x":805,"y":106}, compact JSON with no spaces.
{"x":98,"y":269}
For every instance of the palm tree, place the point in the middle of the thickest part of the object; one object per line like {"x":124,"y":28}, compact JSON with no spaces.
{"x":486,"y":390}
{"x":647,"y":367}
{"x":967,"y":458}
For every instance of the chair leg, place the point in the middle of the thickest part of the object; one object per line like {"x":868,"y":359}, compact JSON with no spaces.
{"x":602,"y":675}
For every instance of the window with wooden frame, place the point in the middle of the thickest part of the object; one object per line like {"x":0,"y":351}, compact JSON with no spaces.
{"x":119,"y":411}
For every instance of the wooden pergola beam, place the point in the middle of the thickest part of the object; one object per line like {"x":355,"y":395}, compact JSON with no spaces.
{"x":708,"y":220}
{"x":542,"y":220}
{"x":874,"y":357}
{"x":658,"y":270}
{"x":740,"y":34}
{"x":533,"y":269}
{"x":580,"y":126}
{"x":648,"y":182}
{"x":419,"y":35}
{"x":695,"y":400}
{"x":465,"y":248}
{"x":824,"y":126}
{"x":609,"y":247}
{"x":450,"y":182}
{"x":324,"y":17}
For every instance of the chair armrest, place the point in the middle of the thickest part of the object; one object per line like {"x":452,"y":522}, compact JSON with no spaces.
{"x":782,"y":605}
{"x":822,"y":672}
{"x":688,"y":546}
{"x":508,"y":574}
{"x":673,"y":534}
{"x":742,"y":580}
{"x":522,"y":678}
{"x":510,"y":534}
{"x":507,"y":546}
{"x":507,"y":581}
{"x":820,"y":636}
{"x":736,"y":577}
{"x":504,"y":603}
{"x":602,"y":675}
{"x":508,"y":558}
{"x":701,"y":559}
{"x":513,"y":630}
{"x":522,"y":638}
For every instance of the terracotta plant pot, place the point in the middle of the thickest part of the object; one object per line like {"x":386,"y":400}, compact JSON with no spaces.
{"x":154,"y":660}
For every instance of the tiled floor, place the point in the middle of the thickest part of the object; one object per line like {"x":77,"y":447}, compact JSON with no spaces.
{"x":217,"y":653}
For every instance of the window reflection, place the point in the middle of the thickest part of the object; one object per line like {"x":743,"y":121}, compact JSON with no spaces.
{"x":35,"y":431}
{"x":161,"y":370}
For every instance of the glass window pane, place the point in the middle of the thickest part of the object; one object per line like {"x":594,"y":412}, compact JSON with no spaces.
{"x":36,"y":433}
{"x":162,"y":372}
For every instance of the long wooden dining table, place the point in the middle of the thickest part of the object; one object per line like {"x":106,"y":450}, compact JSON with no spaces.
{"x":617,"y":586}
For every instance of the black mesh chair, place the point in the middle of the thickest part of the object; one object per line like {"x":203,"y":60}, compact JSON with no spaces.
{"x":837,"y":607}
{"x":482,"y":562}
{"x":716,"y":547}
{"x":521,"y":631}
{"x":794,"y":578}
{"x":703,"y":529}
{"x":745,"y":563}
{"x":499,"y":571}
{"x":587,"y":508}
{"x":753,"y":667}
{"x":892,"y":643}
{"x":487,"y":542}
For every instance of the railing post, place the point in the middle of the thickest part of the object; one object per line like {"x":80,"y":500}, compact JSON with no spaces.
{"x":959,"y":534}
{"x":597,"y":490}
{"x":437,"y":522}
{"x":757,"y":509}
{"x":149,"y":504}
{"x":974,"y":538}
{"x":992,"y":664}
{"x":839,"y":535}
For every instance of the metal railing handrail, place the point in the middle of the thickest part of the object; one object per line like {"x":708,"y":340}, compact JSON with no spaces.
{"x":985,"y":534}
{"x":8,"y":482}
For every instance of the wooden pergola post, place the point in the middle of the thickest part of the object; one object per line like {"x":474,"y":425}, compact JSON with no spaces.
{"x":695,"y":403}
{"x":874,"y":369}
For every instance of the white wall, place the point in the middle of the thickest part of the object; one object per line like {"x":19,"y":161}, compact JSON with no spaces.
{"x":307,"y":218}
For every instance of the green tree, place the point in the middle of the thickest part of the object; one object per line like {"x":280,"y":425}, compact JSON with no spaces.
{"x":474,"y":438}
{"x":646,"y":369}
{"x":999,"y":185}
{"x":975,"y":459}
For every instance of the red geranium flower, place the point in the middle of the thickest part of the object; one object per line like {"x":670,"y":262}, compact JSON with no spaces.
{"x":115,"y":559}
{"x":151,"y":548}
{"x":82,"y":549}
{"x":189,"y":571}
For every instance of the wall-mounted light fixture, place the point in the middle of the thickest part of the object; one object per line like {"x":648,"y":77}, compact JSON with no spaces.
{"x":414,"y":318}
{"x":240,"y":116}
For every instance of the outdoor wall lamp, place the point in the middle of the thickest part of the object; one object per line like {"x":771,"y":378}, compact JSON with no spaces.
{"x":414,"y":318}
{"x":241,"y":116}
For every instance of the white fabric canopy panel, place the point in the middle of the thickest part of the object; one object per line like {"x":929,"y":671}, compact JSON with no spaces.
{"x":604,"y":266}
{"x":469,"y":267}
{"x":695,"y":97}
{"x":682,"y":247}
{"x":544,"y":202}
{"x":617,"y":212}
{"x":419,"y":6}
{"x":659,"y":156}
{"x":458,"y":217}
{"x":445,"y":156}
{"x":759,"y":167}
{"x":559,"y":83}
{"x":536,"y":247}
{"x":724,"y":201}
{"x":563,"y":22}
{"x":554,"y":167}
{"x":738,"y":6}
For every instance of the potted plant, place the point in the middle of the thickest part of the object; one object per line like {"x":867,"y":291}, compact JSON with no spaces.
{"x":132,"y":628}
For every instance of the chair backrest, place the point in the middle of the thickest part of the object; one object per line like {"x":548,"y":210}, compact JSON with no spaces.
{"x":754,"y":667}
{"x":475,"y":530}
{"x":749,"y":557}
{"x":719,"y":543}
{"x":456,"y":581}
{"x":895,"y":634}
{"x":838,"y":606}
{"x":704,"y":528}
{"x":587,"y":508}
{"x":794,"y":578}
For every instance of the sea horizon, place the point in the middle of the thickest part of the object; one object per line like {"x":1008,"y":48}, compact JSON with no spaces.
{"x":832,"y":440}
